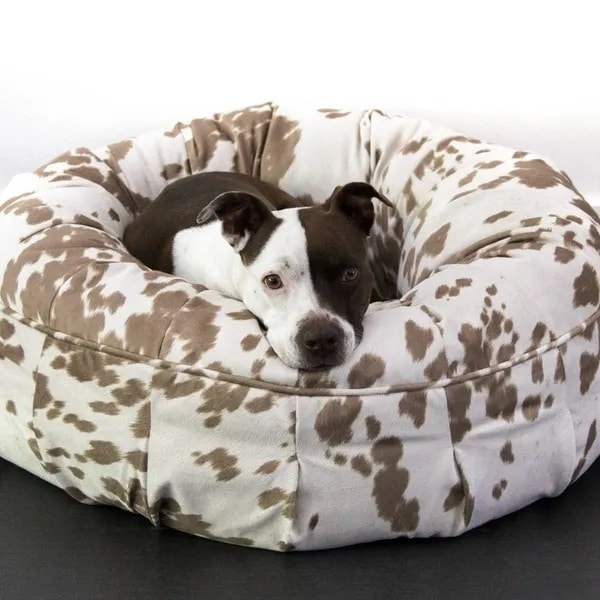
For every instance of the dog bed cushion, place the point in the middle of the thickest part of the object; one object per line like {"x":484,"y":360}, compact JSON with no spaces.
{"x":473,"y":393}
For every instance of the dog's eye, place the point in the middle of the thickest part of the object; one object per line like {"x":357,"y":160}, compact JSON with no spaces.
{"x":350,"y":274}
{"x":273,"y":282}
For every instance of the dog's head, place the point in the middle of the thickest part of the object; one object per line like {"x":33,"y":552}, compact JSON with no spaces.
{"x":303,"y":271}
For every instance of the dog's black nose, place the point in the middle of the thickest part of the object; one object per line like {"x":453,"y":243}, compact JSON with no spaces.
{"x":321,"y":341}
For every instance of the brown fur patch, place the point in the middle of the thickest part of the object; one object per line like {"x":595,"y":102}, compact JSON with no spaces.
{"x":274,"y":496}
{"x":334,"y":422}
{"x":435,"y":243}
{"x":390,"y":484}
{"x":586,"y":287}
{"x":221,"y":461}
{"x":366,"y":371}
{"x":506,"y":454}
{"x":103,"y":452}
{"x":267,"y":468}
{"x":414,"y":405}
{"x":418,"y":339}
{"x":361,"y":465}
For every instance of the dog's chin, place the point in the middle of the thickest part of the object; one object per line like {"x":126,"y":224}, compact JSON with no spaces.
{"x":317,"y":368}
{"x":309,"y":366}
{"x":322,"y":366}
{"x":302,"y":364}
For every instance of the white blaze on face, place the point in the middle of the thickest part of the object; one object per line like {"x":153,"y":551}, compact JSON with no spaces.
{"x":284,"y":309}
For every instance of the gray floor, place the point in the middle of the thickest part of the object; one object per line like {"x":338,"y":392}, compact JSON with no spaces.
{"x":51,"y":547}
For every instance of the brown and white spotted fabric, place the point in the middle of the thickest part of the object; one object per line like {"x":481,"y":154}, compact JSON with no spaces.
{"x":473,"y":395}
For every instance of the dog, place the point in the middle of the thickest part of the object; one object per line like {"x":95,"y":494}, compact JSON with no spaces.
{"x":301,"y":270}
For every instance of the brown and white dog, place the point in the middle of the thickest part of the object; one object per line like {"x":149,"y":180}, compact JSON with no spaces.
{"x":301,"y":270}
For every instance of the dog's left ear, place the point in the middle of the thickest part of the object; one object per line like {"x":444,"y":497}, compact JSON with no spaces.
{"x":241,"y":215}
{"x":353,"y":200}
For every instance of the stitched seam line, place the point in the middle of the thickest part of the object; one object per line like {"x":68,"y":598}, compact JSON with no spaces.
{"x":261,"y":153}
{"x":300,"y":391}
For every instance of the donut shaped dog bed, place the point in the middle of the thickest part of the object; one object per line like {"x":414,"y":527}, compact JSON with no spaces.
{"x":473,"y":393}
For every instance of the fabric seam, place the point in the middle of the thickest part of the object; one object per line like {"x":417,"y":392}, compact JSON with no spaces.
{"x":300,"y":391}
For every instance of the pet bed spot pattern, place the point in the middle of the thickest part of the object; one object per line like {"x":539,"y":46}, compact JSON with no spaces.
{"x":473,"y":395}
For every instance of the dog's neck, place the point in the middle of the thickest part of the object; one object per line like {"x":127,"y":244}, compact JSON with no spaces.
{"x":202,"y":254}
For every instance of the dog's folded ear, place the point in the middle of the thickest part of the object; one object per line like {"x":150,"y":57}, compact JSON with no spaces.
{"x":353,"y":200}
{"x":241,"y":215}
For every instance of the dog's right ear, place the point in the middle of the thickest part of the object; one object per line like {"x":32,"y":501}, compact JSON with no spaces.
{"x":353,"y":200}
{"x":241,"y":215}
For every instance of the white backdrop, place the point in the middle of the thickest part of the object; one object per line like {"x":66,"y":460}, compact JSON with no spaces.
{"x":514,"y":72}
